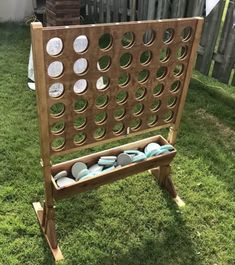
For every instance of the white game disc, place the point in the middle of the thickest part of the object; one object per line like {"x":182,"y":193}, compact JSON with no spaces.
{"x":54,"y":46}
{"x":80,"y":86}
{"x":78,"y":167}
{"x":80,"y":44}
{"x":56,"y":90}
{"x":55,"y":69}
{"x":80,"y":66}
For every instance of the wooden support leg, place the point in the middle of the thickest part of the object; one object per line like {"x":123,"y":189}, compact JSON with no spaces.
{"x":162,"y":174}
{"x":46,"y":218}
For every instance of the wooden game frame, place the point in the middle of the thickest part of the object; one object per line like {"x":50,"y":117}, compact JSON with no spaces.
{"x":160,"y":165}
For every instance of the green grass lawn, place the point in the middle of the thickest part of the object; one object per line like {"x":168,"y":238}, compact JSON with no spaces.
{"x":130,"y":222}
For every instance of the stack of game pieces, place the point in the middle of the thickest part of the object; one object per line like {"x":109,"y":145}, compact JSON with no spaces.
{"x":62,"y":179}
{"x":154,"y":149}
{"x":80,"y":171}
{"x":130,"y":156}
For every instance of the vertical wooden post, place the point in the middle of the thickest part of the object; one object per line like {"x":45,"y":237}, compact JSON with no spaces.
{"x":222,"y":70}
{"x":209,"y":37}
{"x":46,"y":215}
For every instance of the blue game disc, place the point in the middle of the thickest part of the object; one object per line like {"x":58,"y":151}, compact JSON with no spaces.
{"x":96,"y":168}
{"x":61,"y":174}
{"x":150,"y":147}
{"x":84,"y":172}
{"x":64,"y":182}
{"x":106,"y":162}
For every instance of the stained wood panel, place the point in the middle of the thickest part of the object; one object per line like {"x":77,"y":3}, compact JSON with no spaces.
{"x":168,"y":44}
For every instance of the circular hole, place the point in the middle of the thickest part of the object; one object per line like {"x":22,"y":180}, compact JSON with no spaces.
{"x":58,"y":127}
{"x":118,"y":128}
{"x":158,"y":89}
{"x":121,"y":97}
{"x":137,"y":109}
{"x":101,"y":101}
{"x":161,"y":72}
{"x":102,"y":83}
{"x":186,"y":33}
{"x":175,"y":86}
{"x":128,"y":39}
{"x":123,"y":79}
{"x":155,"y":105}
{"x":99,"y":133}
{"x":79,"y":138}
{"x":179,"y":68}
{"x":182,"y":52}
{"x":104,"y":63}
{"x":54,"y":46}
{"x":79,"y":122}
{"x":80,"y":105}
{"x":165,"y":54}
{"x":171,"y":102}
{"x":143,"y":76}
{"x":80,"y":66}
{"x":80,"y":86}
{"x":56,"y":90}
{"x":119,"y":113}
{"x":145,"y":57}
{"x":152,"y":120}
{"x":101,"y":117}
{"x":168,"y":116}
{"x":135,"y":124}
{"x":57,"y":109}
{"x":168,"y":35}
{"x":58,"y":143}
{"x":55,"y":69}
{"x":125,"y":60}
{"x":80,"y":44}
{"x":140,"y":93}
{"x":149,"y":37}
{"x":105,"y":41}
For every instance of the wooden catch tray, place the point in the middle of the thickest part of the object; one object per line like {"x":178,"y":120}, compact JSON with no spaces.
{"x":115,"y":174}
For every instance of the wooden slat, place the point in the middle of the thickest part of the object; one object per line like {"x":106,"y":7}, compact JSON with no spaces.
{"x":222,"y":71}
{"x":151,"y":9}
{"x":108,"y":11}
{"x":116,"y":5}
{"x":178,"y":8}
{"x":195,"y":8}
{"x":209,"y":37}
{"x":163,"y":9}
{"x":101,"y":11}
{"x":133,"y":10}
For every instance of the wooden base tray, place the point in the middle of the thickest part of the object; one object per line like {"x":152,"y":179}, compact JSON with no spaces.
{"x":115,"y":174}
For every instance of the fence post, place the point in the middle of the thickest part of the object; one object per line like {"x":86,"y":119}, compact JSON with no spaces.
{"x":151,"y":9}
{"x":209,"y":37}
{"x":222,"y":69}
{"x":178,"y":8}
{"x":195,"y":8}
{"x":163,"y":9}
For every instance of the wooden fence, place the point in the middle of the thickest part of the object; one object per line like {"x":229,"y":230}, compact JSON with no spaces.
{"x":216,"y":54}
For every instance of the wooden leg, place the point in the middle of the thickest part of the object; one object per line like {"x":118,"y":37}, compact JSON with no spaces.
{"x":46,"y":218}
{"x":162,"y":174}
